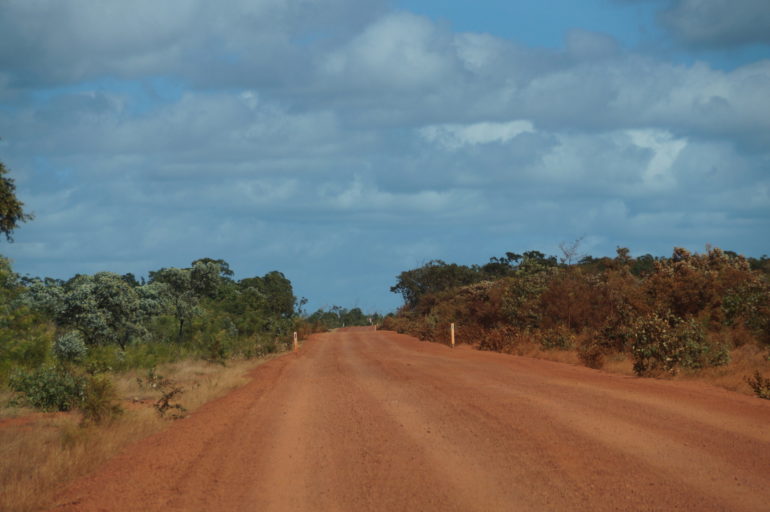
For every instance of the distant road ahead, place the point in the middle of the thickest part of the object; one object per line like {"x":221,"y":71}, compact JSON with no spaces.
{"x":362,"y":420}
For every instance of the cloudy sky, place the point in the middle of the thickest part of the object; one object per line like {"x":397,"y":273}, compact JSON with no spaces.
{"x":343,"y":141}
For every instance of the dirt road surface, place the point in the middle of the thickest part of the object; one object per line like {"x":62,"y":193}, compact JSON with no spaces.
{"x":376,"y":421}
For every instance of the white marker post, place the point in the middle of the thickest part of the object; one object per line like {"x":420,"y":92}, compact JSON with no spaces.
{"x":452,"y":333}
{"x":295,"y":341}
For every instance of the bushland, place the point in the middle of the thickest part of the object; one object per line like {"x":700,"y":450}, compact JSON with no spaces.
{"x":683,"y":314}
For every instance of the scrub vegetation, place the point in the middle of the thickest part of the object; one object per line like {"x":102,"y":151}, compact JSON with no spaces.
{"x":687,"y":314}
{"x":97,"y":361}
{"x":93,"y":362}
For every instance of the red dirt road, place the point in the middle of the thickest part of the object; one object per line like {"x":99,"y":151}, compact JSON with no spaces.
{"x":362,"y":420}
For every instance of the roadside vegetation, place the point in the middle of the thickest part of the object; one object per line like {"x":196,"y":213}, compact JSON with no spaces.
{"x":93,"y":362}
{"x":692,"y":315}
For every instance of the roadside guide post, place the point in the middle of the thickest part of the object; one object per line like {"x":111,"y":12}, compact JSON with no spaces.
{"x":452,"y":333}
{"x":295,"y":341}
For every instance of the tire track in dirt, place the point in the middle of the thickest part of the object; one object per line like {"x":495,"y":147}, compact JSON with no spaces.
{"x":363,"y":420}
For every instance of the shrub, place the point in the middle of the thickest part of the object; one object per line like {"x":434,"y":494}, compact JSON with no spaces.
{"x":559,"y":338}
{"x":70,"y":348}
{"x":168,"y":389}
{"x":499,"y":339}
{"x":667,"y":342}
{"x":49,"y":388}
{"x":592,"y":352}
{"x":760,"y":385}
{"x":100,"y":401}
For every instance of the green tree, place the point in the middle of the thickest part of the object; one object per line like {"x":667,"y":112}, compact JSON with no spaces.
{"x":25,"y":333}
{"x":185,"y":287}
{"x":103,"y":307}
{"x":11,"y":209}
{"x":433,"y":277}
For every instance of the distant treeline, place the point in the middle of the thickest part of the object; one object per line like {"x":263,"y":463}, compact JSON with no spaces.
{"x":337,"y":316}
{"x":683,"y":311}
{"x":55,"y":332}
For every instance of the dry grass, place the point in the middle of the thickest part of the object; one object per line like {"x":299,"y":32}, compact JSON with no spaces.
{"x":744,"y":361}
{"x":42,"y":453}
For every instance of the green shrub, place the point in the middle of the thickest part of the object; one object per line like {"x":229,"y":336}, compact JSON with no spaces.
{"x":70,"y":348}
{"x":49,"y":388}
{"x":664,"y":343}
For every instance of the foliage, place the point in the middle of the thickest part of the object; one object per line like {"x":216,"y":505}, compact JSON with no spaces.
{"x":11,"y":209}
{"x":760,"y":385}
{"x":100,"y":401}
{"x":70,"y":347}
{"x":433,"y":277}
{"x":48,"y":388}
{"x":666,"y":342}
{"x":682,"y":312}
{"x":25,"y":334}
{"x":559,"y":338}
{"x":104,"y":308}
{"x":169,"y":391}
{"x":337,"y":316}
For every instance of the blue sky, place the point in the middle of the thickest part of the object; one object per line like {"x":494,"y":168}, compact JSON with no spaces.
{"x":343,"y":141}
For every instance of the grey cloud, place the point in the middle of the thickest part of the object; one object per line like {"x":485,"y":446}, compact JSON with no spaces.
{"x":719,"y":23}
{"x":51,"y":42}
{"x":585,"y":45}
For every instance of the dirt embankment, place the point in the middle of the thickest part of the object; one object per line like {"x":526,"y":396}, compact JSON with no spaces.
{"x":364,"y":420}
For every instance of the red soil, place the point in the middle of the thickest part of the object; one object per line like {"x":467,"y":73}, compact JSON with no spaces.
{"x":363,"y":420}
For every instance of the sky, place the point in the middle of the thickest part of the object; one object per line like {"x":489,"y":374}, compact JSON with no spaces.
{"x":344,"y":141}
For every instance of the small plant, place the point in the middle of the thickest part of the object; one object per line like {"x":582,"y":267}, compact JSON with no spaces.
{"x":592,"y":353}
{"x":100,"y":401}
{"x":760,"y":385}
{"x":70,"y":348}
{"x":163,"y":404}
{"x":152,"y":381}
{"x":169,"y":391}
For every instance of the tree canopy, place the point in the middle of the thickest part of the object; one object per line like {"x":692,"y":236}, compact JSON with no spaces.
{"x":11,"y":209}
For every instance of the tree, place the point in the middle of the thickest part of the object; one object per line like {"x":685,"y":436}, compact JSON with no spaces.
{"x":280,"y":294}
{"x":533,"y":262}
{"x":11,"y":212}
{"x":433,"y":277}
{"x":224,"y":267}
{"x":185,"y":287}
{"x":179,"y":294}
{"x":103,"y":307}
{"x":501,"y":267}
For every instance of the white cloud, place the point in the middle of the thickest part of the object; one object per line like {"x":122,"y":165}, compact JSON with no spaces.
{"x":455,"y":136}
{"x":399,"y":51}
{"x":659,"y":173}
